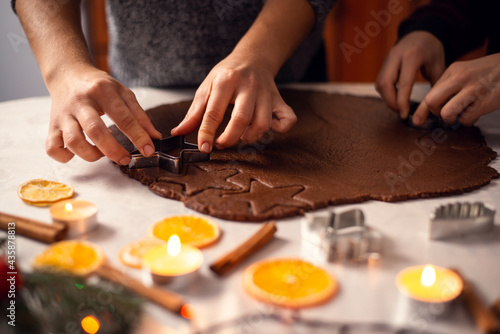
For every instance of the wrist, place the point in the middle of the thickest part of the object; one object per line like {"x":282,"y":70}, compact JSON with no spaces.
{"x":255,"y":57}
{"x":278,"y":30}
{"x":55,"y":76}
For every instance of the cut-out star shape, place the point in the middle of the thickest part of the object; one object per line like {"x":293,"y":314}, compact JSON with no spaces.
{"x":197,"y":179}
{"x":263,"y":198}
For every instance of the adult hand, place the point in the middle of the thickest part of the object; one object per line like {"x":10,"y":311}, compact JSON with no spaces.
{"x":419,"y":50}
{"x":79,"y":99}
{"x":258,"y":106}
{"x":466,"y":91}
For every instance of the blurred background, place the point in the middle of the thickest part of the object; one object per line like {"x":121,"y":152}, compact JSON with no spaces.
{"x":358,"y":35}
{"x":19,"y":73}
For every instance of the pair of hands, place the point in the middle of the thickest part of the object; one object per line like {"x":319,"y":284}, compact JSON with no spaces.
{"x":81,"y":97}
{"x":463,"y":92}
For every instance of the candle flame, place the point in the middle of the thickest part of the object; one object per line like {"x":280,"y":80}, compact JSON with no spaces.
{"x":428,"y":276}
{"x":68,"y":207}
{"x":174,"y":245}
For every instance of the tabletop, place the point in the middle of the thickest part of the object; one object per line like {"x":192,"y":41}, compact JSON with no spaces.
{"x":367,"y":295}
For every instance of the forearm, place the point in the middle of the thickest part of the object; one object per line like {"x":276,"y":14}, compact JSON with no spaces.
{"x":55,"y":35}
{"x":278,"y":30}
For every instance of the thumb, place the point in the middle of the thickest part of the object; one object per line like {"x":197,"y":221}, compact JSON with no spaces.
{"x":283,"y":118}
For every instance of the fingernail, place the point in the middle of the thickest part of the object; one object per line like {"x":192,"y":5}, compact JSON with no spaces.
{"x":124,"y":161}
{"x":415,"y":120}
{"x":403,"y":114}
{"x":173,"y":129}
{"x":205,"y":147}
{"x":148,"y":150}
{"x":219,"y":146}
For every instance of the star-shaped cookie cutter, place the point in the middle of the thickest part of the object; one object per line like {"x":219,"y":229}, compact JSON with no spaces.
{"x":170,"y":154}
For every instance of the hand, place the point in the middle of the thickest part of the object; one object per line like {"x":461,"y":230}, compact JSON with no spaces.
{"x":419,"y":50}
{"x":466,"y":91}
{"x":78,"y":101}
{"x":258,"y":106}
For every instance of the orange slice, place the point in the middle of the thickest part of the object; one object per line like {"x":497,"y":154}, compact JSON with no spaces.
{"x":195,"y":231}
{"x":131,"y":254}
{"x":76,"y":257}
{"x":289,"y":283}
{"x":43,"y":193}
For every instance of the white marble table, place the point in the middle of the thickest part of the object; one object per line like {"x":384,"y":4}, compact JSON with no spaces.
{"x":127,"y":209}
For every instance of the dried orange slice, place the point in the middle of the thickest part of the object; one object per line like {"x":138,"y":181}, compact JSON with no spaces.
{"x":131,"y":254}
{"x":41,"y":192}
{"x":289,"y":283}
{"x":76,"y":257}
{"x":195,"y":231}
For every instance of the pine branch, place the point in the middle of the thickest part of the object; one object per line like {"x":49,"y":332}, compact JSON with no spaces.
{"x":56,"y":303}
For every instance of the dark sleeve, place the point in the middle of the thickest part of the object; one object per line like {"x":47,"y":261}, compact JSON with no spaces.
{"x":321,"y":9}
{"x":456,"y":23}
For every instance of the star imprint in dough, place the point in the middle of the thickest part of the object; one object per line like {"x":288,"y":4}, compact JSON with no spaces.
{"x":263,"y":198}
{"x":197,"y":179}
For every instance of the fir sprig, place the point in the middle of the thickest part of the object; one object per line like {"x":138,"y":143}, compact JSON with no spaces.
{"x":56,"y":303}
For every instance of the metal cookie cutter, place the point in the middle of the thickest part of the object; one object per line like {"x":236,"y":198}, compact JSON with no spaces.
{"x":343,"y":236}
{"x":170,"y":154}
{"x":430,"y":123}
{"x":459,"y":219}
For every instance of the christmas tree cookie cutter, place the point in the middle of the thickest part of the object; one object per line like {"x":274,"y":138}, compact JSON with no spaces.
{"x":459,"y":219}
{"x":343,"y":237}
{"x":170,"y":154}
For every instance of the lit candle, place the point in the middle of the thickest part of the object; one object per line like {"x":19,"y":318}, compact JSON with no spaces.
{"x":429,"y":284}
{"x":173,"y":263}
{"x":80,"y":216}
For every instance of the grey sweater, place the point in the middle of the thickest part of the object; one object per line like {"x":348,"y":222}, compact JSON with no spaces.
{"x":167,"y":43}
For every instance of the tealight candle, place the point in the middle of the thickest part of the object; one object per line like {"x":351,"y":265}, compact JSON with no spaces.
{"x":426,"y":291}
{"x":80,"y":216}
{"x":174,"y":263}
{"x":429,"y":284}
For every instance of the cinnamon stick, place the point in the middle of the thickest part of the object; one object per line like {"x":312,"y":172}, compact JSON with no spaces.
{"x":33,"y":229}
{"x":226,"y":263}
{"x":485,"y":320}
{"x":166,"y":299}
{"x":496,"y":307}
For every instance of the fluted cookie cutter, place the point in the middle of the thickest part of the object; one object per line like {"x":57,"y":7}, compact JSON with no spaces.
{"x":458,"y":219}
{"x":170,"y":154}
{"x":343,"y":236}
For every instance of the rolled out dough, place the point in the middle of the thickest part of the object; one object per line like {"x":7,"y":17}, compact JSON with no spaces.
{"x":343,"y":149}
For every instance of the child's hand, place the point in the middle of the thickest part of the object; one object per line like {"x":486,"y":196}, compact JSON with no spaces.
{"x":417,"y":51}
{"x":78,"y":102}
{"x":258,"y":106}
{"x":466,"y":91}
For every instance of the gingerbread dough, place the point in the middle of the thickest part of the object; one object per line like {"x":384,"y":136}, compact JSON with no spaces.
{"x":344,"y":149}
